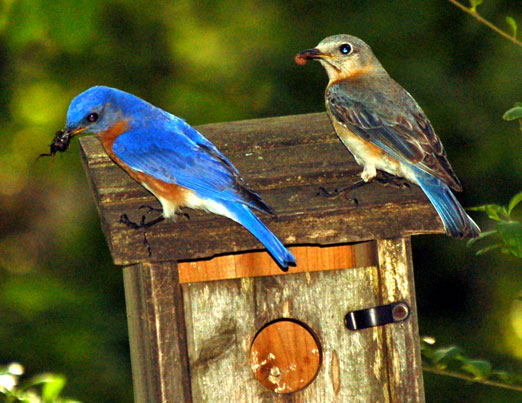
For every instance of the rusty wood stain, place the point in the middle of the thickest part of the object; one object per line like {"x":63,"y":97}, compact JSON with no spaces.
{"x":335,"y":373}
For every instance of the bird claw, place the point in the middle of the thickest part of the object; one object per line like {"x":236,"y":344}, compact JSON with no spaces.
{"x":146,"y":244}
{"x":385,"y":179}
{"x":336,"y":192}
{"x":325,"y":193}
{"x":182,"y":214}
{"x":124,"y":219}
{"x":150,"y":209}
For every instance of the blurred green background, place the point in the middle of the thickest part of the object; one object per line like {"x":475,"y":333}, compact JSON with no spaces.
{"x":61,"y":299}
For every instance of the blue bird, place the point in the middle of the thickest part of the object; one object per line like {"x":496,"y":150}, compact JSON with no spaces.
{"x":172,"y":160}
{"x":384,"y":127}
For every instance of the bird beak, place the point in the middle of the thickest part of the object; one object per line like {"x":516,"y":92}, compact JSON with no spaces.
{"x":75,"y":132}
{"x":312,"y":54}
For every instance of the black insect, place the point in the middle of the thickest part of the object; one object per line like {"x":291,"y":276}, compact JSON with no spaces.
{"x":60,"y":143}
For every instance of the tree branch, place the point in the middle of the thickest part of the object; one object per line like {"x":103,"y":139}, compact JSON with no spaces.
{"x":437,"y":371}
{"x":481,"y":19}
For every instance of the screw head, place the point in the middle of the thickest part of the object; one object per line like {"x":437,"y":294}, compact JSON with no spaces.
{"x":400,"y":312}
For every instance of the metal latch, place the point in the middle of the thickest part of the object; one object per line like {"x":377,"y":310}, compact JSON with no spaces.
{"x":377,"y":316}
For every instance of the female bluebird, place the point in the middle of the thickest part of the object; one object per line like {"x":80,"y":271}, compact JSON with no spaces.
{"x":170,"y":159}
{"x":384,"y":128}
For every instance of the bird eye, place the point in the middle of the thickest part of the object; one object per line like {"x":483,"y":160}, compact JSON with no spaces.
{"x":92,"y":117}
{"x":345,"y":48}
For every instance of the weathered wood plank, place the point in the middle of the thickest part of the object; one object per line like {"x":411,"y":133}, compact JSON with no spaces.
{"x":157,"y":333}
{"x":224,"y":316}
{"x":255,"y":264}
{"x":402,"y":339}
{"x":286,"y":160}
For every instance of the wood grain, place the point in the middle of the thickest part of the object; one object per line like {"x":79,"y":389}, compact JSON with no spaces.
{"x":157,"y":333}
{"x":254,"y":264}
{"x":286,"y":160}
{"x":223,"y":318}
{"x":285,"y":356}
{"x":402,"y":339}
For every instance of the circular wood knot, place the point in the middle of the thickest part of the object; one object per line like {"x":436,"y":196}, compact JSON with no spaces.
{"x":285,"y":356}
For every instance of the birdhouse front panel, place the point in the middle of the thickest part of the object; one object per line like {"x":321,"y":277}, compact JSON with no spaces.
{"x":224,"y":317}
{"x":255,"y":338}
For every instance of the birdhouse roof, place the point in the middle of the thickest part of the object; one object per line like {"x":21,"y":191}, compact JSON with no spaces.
{"x":286,"y":160}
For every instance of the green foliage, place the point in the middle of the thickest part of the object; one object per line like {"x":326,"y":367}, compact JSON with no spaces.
{"x":61,"y":298}
{"x":45,"y":387}
{"x":474,"y":4}
{"x":508,"y":233}
{"x":513,"y":24}
{"x":514,"y":113}
{"x":451,"y":361}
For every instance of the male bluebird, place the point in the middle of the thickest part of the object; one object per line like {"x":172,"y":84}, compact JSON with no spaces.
{"x":384,"y":128}
{"x":170,"y":159}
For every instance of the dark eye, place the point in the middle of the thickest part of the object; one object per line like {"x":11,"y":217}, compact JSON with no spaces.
{"x":92,"y":117}
{"x":345,"y":48}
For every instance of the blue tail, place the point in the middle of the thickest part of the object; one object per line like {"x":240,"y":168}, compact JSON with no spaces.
{"x":244,"y":216}
{"x":456,"y":222}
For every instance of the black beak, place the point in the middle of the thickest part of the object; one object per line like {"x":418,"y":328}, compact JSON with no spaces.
{"x":311,"y":54}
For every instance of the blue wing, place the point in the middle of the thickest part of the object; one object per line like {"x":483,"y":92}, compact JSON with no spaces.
{"x":174,"y":152}
{"x":393,"y":121}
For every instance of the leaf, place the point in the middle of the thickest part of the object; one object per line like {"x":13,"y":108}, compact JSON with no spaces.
{"x":53,"y":387}
{"x":518,"y":103}
{"x":492,"y":210}
{"x":503,"y":376}
{"x":427,"y":351}
{"x":40,"y":379}
{"x":475,"y":4}
{"x":513,"y":24}
{"x":515,"y":200}
{"x":513,"y":113}
{"x":511,"y":234}
{"x":482,"y":235}
{"x":478,"y":368}
{"x":443,"y":355}
{"x":488,"y":248}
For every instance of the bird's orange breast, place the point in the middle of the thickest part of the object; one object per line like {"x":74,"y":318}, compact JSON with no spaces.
{"x":351,"y":75}
{"x":356,"y":143}
{"x":172,"y":192}
{"x":365,"y":152}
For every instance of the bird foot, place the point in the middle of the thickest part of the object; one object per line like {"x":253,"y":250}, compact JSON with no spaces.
{"x":150,"y":209}
{"x":337,"y":192}
{"x":182,"y":214}
{"x":328,"y":194}
{"x":124,"y":219}
{"x":386,"y":179}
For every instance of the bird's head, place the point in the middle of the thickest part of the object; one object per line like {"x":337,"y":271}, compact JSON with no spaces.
{"x":343,"y":57}
{"x":93,"y":111}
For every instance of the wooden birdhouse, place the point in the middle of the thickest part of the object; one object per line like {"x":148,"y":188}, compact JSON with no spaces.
{"x":211,"y":316}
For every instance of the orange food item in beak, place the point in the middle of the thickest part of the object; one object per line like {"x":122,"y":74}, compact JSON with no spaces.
{"x":300,"y":59}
